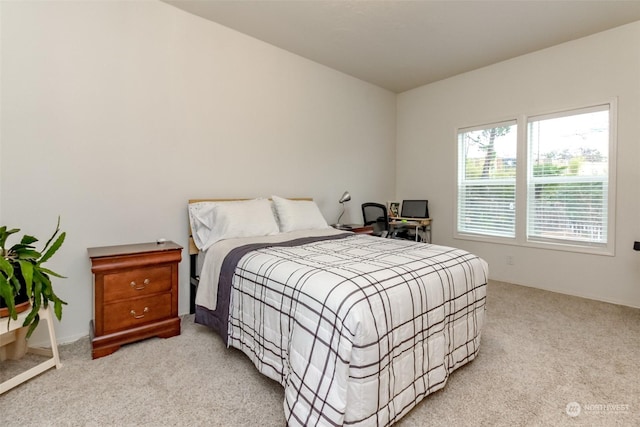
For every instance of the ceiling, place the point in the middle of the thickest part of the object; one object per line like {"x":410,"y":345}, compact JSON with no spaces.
{"x":400,"y":45}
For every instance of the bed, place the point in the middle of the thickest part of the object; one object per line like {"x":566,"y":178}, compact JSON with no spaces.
{"x":357,"y":329}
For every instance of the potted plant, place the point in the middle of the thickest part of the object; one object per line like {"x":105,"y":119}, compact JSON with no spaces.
{"x":22,"y":275}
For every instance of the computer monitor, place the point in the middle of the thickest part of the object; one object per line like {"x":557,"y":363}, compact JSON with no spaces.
{"x":415,"y":209}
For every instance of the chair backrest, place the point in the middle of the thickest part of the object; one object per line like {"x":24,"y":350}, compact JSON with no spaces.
{"x":375,"y":213}
{"x":415,"y":209}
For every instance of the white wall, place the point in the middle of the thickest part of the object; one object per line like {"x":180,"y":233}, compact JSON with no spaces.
{"x":593,"y":69}
{"x":114,"y":114}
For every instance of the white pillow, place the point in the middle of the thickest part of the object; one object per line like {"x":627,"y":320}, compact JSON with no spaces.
{"x":201,"y":221}
{"x":298,"y":215}
{"x":215,"y":221}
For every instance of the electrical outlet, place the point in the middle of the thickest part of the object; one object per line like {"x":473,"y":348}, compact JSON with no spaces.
{"x":510,"y":260}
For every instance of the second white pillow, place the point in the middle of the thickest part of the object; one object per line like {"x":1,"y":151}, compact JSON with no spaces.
{"x":298,"y":215}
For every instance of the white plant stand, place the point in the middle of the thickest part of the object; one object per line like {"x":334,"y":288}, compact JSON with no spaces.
{"x":54,"y":360}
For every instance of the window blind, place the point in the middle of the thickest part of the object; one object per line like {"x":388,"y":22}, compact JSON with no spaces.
{"x":487,"y":180}
{"x":568,"y":170}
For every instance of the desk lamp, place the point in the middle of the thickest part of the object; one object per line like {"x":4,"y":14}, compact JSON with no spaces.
{"x":345,"y":198}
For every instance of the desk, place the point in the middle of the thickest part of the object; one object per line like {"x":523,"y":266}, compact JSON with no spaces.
{"x":422,"y":225}
{"x":45,"y":314}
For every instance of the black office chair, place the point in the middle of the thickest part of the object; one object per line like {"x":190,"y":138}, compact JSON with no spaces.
{"x":376,"y":214}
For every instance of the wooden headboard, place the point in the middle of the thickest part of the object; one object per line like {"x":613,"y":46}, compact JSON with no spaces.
{"x":193,"y":249}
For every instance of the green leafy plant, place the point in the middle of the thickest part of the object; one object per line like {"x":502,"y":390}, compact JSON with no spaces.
{"x":21,"y":269}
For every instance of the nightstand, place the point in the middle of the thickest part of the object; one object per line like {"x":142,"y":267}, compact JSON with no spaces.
{"x":135,"y":294}
{"x":356,"y":228}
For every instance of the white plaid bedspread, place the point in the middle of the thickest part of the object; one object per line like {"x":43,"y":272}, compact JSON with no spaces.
{"x":358,"y":330}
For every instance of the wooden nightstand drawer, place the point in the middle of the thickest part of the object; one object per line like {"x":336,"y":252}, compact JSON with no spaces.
{"x":131,"y":313}
{"x":135,"y":283}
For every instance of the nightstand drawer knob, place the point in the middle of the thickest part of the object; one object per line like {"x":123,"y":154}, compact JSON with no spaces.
{"x":135,"y":286}
{"x":139,"y":316}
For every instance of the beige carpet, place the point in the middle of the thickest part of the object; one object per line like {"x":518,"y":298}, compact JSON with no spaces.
{"x":540,"y":351}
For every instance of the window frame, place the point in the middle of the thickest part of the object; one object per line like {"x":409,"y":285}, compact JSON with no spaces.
{"x":522,"y":165}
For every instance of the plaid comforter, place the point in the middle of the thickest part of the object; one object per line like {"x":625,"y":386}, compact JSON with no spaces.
{"x":357,"y":329}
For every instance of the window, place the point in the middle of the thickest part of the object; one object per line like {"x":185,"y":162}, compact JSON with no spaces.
{"x":549,"y":185}
{"x":487,"y":180}
{"x":568,"y":174}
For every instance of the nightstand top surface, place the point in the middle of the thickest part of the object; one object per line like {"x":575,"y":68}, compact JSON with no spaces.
{"x":131,"y":249}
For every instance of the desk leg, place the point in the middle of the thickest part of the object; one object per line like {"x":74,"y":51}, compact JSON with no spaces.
{"x":425,"y":233}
